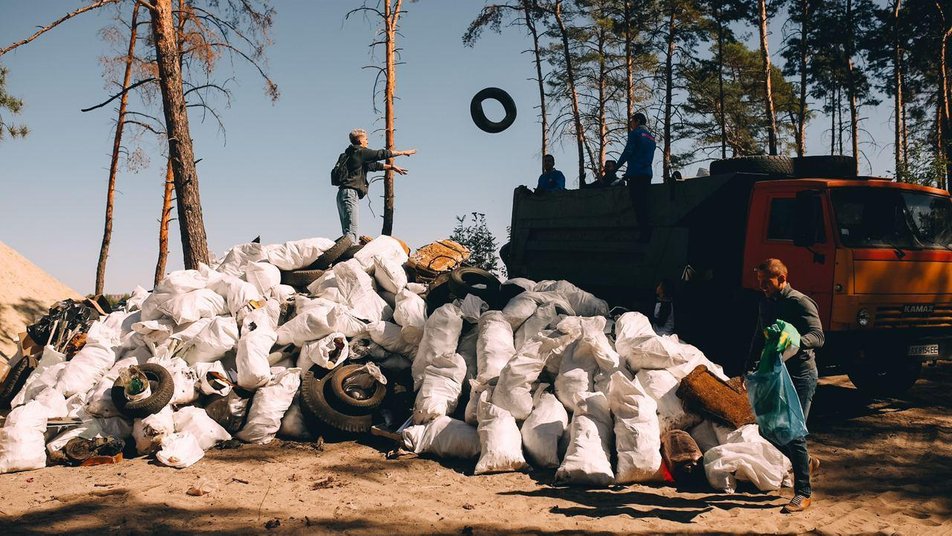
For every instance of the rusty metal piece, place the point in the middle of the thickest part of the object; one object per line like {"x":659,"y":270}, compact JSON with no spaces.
{"x":438,"y":257}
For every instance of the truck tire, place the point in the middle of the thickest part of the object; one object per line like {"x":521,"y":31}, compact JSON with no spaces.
{"x":340,"y":390}
{"x":824,"y":167}
{"x":330,"y":256}
{"x":780,"y":166}
{"x":160,"y":381}
{"x":439,"y":293}
{"x":300,"y":278}
{"x":479,"y":116}
{"x":350,"y":252}
{"x":881,"y":376}
{"x":15,"y":380}
{"x":320,"y":403}
{"x":475,"y":281}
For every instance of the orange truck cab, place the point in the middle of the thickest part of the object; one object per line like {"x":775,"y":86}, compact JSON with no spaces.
{"x":876,"y":256}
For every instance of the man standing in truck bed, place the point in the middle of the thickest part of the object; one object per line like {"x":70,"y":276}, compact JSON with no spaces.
{"x":782,"y":302}
{"x":638,"y":154}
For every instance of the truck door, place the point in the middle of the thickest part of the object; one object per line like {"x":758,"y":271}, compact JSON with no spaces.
{"x":770,"y":232}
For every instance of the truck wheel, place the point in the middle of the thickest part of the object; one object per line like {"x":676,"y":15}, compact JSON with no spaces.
{"x":824,"y":167}
{"x":884,"y":375}
{"x":479,"y":116}
{"x":474,"y":281}
{"x":162,"y":387}
{"x":768,"y":165}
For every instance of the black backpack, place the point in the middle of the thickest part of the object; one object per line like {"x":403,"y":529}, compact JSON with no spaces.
{"x":340,"y":172}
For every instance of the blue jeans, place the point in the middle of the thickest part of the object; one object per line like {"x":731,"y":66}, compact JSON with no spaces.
{"x":347,"y":200}
{"x":804,"y":375}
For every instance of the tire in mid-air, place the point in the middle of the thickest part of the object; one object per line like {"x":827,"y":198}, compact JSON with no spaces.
{"x":479,"y":115}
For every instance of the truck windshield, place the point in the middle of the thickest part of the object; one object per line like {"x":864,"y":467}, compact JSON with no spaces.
{"x":881,"y":218}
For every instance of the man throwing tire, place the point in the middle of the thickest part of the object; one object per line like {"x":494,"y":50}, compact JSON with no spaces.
{"x":357,"y":160}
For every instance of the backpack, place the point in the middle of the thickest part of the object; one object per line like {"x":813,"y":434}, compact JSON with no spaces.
{"x":340,"y":172}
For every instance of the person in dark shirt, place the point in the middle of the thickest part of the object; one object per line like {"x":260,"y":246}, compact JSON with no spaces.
{"x":551,"y":180}
{"x":782,"y":302}
{"x":638,"y":155}
{"x":354,"y":186}
{"x":609,"y":176}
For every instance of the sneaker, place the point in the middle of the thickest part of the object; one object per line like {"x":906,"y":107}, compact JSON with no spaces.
{"x":798,"y":503}
{"x":814,"y":467}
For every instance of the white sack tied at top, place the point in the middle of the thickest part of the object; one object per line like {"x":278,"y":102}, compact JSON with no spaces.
{"x":514,"y":388}
{"x":494,"y":346}
{"x":588,"y":456}
{"x":543,"y":428}
{"x":382,"y":247}
{"x":441,"y":388}
{"x":409,"y":313}
{"x":583,"y":303}
{"x":444,"y":437}
{"x":269,"y":405}
{"x":637,"y":431}
{"x":499,"y":440}
{"x":746,"y":455}
{"x":357,"y":290}
{"x":440,"y":336}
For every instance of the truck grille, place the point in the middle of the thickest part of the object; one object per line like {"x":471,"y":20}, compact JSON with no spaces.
{"x":893,"y":317}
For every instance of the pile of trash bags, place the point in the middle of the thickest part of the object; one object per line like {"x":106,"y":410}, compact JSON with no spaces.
{"x":510,"y":375}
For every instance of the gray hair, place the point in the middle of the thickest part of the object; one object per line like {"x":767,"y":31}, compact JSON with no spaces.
{"x":356,"y":134}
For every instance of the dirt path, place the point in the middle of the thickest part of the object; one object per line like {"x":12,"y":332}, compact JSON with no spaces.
{"x":887,"y":468}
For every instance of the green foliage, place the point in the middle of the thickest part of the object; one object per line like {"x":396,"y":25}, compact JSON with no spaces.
{"x":14,"y":106}
{"x":475,"y":235}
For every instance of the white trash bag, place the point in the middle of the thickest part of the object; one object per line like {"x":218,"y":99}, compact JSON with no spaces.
{"x":149,"y":431}
{"x":637,"y":431}
{"x":662,"y":386}
{"x":499,"y":440}
{"x":441,"y":388}
{"x":443,"y":437}
{"x":179,"y":450}
{"x":196,"y":422}
{"x":543,"y":428}
{"x":746,"y":456}
{"x":328,"y":352}
{"x":440,"y":336}
{"x":269,"y":405}
{"x":514,"y":389}
{"x":494,"y":346}
{"x":588,"y":457}
{"x":410,"y":314}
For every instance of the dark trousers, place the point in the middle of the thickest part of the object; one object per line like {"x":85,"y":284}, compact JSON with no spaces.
{"x":638,"y":191}
{"x":804,"y":375}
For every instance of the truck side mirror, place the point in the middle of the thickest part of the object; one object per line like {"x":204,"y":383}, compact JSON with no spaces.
{"x":807,"y":219}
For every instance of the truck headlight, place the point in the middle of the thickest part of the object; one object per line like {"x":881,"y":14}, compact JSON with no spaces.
{"x":863,"y":317}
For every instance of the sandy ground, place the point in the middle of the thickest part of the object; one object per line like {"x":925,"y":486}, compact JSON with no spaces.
{"x":26,"y":293}
{"x":887,"y":468}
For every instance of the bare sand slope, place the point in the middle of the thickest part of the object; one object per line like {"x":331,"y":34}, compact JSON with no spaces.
{"x":887,"y":468}
{"x":26,"y":292}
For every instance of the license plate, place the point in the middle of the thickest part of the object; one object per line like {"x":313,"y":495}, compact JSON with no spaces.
{"x":918,"y":308}
{"x":924,"y":349}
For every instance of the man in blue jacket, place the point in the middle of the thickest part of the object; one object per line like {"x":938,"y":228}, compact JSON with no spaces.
{"x":638,"y":154}
{"x":551,"y":180}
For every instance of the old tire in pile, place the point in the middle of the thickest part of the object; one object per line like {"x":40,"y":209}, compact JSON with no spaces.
{"x":300,"y":278}
{"x":15,"y":380}
{"x":162,"y":386}
{"x":330,"y":256}
{"x":475,"y":281}
{"x":344,"y":393}
{"x":350,"y":252}
{"x":320,"y":402}
{"x":781,"y":166}
{"x":439,"y":293}
{"x":824,"y":167}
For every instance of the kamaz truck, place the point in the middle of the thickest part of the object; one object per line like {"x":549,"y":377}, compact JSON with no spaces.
{"x":876,"y":255}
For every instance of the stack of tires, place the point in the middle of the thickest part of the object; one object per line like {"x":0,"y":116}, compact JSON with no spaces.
{"x":821,"y":167}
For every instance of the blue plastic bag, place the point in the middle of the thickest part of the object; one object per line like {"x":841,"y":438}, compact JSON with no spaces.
{"x":771,"y":391}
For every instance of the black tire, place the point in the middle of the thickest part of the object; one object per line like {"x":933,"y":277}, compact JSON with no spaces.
{"x":479,"y":116}
{"x":340,"y":392}
{"x":439,"y":293}
{"x":15,"y":380}
{"x":350,"y":252}
{"x":160,"y":381}
{"x":300,"y":278}
{"x":474,"y":281}
{"x":320,"y":403}
{"x":884,"y":377}
{"x":780,"y":166}
{"x":330,"y":256}
{"x":506,"y":294}
{"x":824,"y":167}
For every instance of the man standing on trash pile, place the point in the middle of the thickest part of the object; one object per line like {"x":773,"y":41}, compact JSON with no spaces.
{"x":354,"y":185}
{"x":638,"y":155}
{"x":782,"y":302}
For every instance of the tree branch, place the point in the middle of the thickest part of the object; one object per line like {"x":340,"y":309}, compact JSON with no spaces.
{"x":54,"y":24}
{"x":117,"y":95}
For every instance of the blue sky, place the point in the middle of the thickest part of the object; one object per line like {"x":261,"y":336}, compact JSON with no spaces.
{"x":269,"y":175}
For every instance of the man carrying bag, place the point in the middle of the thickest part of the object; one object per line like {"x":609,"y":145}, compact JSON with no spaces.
{"x":769,"y":387}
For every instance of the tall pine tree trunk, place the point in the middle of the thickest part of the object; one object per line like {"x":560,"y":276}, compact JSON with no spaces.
{"x":900,"y":106}
{"x":721,"y":115}
{"x":802,"y":109}
{"x":851,"y":81}
{"x":945,"y":123}
{"x":573,"y":92}
{"x":164,"y":221}
{"x":191,"y":222}
{"x":768,"y":90}
{"x":669,"y":93}
{"x":629,"y":65}
{"x":602,"y":102}
{"x":391,"y":17}
{"x":114,"y":162}
{"x":528,"y":7}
